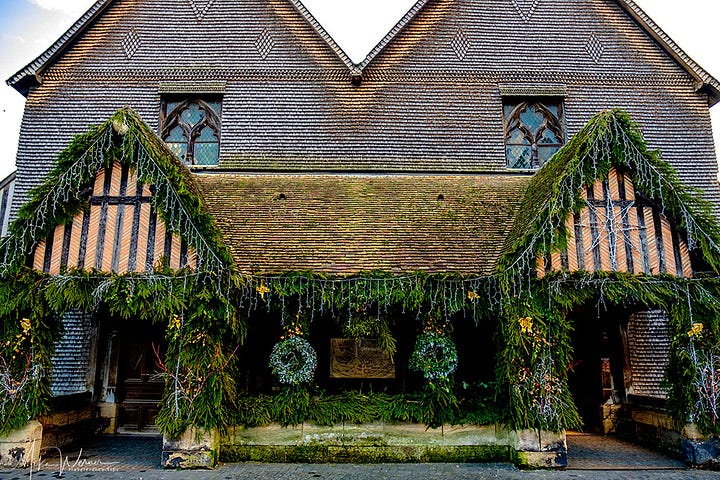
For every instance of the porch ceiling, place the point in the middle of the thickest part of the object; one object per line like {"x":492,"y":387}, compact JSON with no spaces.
{"x":345,"y":224}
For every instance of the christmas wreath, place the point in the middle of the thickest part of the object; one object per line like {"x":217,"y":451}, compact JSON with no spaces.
{"x":435,"y":355}
{"x":294,"y":361}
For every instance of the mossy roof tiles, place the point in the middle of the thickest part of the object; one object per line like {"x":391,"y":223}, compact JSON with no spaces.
{"x":345,"y":224}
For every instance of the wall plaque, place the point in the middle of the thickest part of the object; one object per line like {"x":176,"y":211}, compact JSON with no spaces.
{"x":359,"y":358}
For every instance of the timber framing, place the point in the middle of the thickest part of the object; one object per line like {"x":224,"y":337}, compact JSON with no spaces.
{"x":118,"y":201}
{"x":119,"y":233}
{"x":619,"y":231}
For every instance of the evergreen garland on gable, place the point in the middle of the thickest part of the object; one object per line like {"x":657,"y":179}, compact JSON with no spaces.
{"x":126,"y":139}
{"x":610,"y":140}
{"x":200,"y":309}
{"x":197,"y":358}
{"x":536,"y":353}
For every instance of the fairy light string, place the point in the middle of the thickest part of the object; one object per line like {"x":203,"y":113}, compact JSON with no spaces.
{"x":498,"y":296}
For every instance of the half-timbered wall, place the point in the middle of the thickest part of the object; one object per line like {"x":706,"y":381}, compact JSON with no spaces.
{"x":618,"y":231}
{"x":120,"y":232}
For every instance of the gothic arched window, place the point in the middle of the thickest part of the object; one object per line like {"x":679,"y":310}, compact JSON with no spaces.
{"x":191,"y":128}
{"x":533,"y":131}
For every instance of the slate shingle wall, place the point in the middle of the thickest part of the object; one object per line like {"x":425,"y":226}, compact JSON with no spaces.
{"x":649,"y":345}
{"x":7,"y":189}
{"x":71,"y":361}
{"x":430,"y":102}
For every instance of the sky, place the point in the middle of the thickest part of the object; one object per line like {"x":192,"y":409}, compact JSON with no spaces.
{"x":28,"y":27}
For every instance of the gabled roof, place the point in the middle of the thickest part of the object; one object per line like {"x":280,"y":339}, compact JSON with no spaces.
{"x":356,"y":69}
{"x":22,"y":79}
{"x":703,"y":78}
{"x":611,"y":140}
{"x":342,"y":225}
{"x":124,"y":138}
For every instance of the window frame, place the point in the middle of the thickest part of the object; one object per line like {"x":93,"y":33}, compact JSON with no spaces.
{"x":170,"y":119}
{"x":519,"y":103}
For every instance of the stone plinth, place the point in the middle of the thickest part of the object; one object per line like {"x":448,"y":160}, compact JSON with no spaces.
{"x":196,"y":448}
{"x":699,"y":450}
{"x":21,"y":448}
{"x":67,"y":427}
{"x":367,"y":443}
{"x":541,"y":449}
{"x":110,"y":412}
{"x":611,"y":417}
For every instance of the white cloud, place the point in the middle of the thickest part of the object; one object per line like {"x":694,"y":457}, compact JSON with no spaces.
{"x":65,"y":6}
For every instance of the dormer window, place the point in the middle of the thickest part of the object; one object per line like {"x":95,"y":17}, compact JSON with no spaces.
{"x":533,"y":130}
{"x":191,"y":128}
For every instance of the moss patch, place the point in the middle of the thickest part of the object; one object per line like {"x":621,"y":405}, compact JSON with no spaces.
{"x":366,"y":454}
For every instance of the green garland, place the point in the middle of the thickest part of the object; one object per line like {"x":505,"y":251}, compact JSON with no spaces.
{"x":201,"y":309}
{"x":610,"y":140}
{"x":297,"y":406}
{"x":29,"y":332}
{"x":534,"y":329}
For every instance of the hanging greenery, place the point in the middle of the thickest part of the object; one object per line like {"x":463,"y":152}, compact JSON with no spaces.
{"x":370,"y":326}
{"x":536,"y":351}
{"x":298,"y":406}
{"x":125,"y":139}
{"x":201,"y":309}
{"x":28,"y":332}
{"x":610,"y":140}
{"x":532,"y":369}
{"x":197,"y":358}
{"x":368,"y":294}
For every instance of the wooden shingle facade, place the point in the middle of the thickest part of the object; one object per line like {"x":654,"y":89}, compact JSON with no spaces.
{"x":419,"y":161}
{"x":429,"y":101}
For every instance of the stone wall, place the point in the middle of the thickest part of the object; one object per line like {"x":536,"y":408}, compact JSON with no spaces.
{"x":380,"y":442}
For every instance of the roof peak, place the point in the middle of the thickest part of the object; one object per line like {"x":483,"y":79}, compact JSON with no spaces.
{"x":352,"y":60}
{"x":24,"y":78}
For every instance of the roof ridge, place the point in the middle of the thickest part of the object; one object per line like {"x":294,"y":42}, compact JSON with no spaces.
{"x":320,"y":30}
{"x":399,"y":26}
{"x":672,"y":48}
{"x":59,"y":45}
{"x":356,"y":69}
{"x":703,"y":77}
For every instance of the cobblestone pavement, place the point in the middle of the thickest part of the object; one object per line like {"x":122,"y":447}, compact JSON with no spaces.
{"x":442,"y":471}
{"x":136,"y":458}
{"x":591,"y":452}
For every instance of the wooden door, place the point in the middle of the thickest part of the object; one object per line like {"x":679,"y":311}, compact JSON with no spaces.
{"x":140,"y":386}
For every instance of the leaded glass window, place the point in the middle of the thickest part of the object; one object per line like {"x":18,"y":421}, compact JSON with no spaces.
{"x":533,"y":131}
{"x":191,"y":128}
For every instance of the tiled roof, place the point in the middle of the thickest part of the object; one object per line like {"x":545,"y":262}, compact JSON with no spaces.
{"x":699,"y":73}
{"x":704,"y":79}
{"x":57,"y":48}
{"x":345,"y":224}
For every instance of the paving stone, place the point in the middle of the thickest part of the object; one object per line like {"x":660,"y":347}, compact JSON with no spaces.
{"x":591,"y":452}
{"x":591,"y":458}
